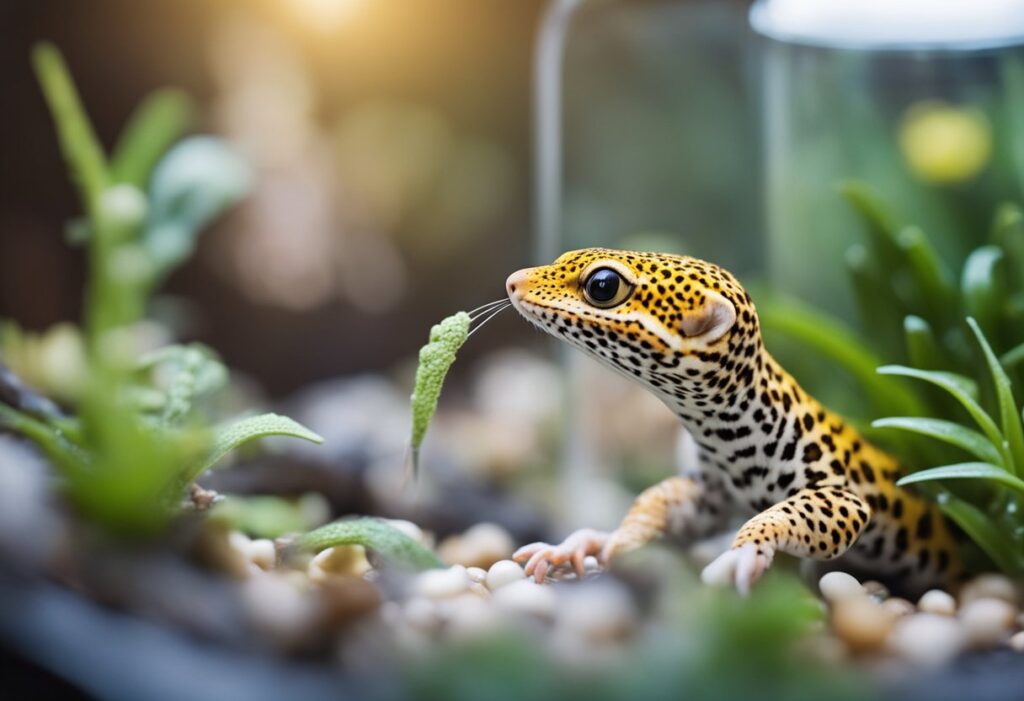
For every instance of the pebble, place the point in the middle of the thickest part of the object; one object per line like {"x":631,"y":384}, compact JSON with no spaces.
{"x":240,"y":542}
{"x":862,"y":623}
{"x":504,"y":572}
{"x":937,"y":601}
{"x":480,"y":546}
{"x":527,"y":597}
{"x":471,"y":618}
{"x":926,"y":639}
{"x":262,"y":553}
{"x":987,"y":622}
{"x":876,"y":590}
{"x":898,"y":607}
{"x":422,"y":613}
{"x":990,"y":586}
{"x":438,"y":584}
{"x":1017,"y":641}
{"x":598,"y":611}
{"x":277,"y":608}
{"x":836,"y":586}
{"x":341,"y":560}
{"x":476,"y":574}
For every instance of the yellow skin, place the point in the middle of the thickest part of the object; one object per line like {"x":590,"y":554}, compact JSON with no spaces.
{"x":810,"y":484}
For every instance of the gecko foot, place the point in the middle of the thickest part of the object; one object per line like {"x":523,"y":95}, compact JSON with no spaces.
{"x":739,"y":567}
{"x":541,"y":557}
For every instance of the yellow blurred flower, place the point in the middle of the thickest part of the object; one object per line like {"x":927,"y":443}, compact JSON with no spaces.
{"x":945,"y":144}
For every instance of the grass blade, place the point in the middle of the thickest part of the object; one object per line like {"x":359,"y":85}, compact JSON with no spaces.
{"x":965,"y":470}
{"x":934,"y":283}
{"x":982,"y":288}
{"x":923,"y":350}
{"x":962,"y":389}
{"x":156,"y":124}
{"x":947,"y":431}
{"x":235,"y":434}
{"x":78,"y":141}
{"x":1008,"y":417}
{"x":834,"y":340}
{"x":983,"y":531}
{"x":373,"y":534}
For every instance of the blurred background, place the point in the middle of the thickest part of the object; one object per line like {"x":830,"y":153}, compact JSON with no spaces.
{"x":390,"y":144}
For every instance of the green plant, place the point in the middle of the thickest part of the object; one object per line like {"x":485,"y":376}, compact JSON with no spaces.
{"x":962,"y":334}
{"x":143,"y":429}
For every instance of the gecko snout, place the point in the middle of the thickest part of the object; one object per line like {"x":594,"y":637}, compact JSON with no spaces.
{"x":515,"y":285}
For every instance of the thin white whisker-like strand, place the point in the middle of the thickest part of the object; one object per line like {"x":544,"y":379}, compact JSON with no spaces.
{"x":487,"y":318}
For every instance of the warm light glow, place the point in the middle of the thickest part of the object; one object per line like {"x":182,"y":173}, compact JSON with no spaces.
{"x":324,"y":15}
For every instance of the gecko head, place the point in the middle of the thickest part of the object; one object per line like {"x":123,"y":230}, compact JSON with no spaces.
{"x":646,"y":314}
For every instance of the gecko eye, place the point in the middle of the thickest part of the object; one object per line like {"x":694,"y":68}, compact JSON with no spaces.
{"x":605,"y":288}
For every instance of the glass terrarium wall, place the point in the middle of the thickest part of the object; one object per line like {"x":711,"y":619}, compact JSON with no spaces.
{"x":923,"y":101}
{"x":660,"y":129}
{"x":647,"y":139}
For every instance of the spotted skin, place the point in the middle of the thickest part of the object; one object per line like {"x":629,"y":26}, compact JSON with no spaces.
{"x":811,"y":486}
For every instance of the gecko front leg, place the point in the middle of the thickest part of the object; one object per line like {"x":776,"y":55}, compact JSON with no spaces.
{"x":820,"y":523}
{"x":686,"y":507}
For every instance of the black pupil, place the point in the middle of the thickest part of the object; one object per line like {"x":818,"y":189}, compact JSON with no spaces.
{"x":603,"y":285}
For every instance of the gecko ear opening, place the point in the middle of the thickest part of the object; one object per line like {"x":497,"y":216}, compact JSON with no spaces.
{"x":711,"y":321}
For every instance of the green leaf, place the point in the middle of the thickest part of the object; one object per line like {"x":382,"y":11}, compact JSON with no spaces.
{"x":922,"y":348}
{"x":262,"y":516}
{"x":948,"y":431}
{"x":831,"y":338}
{"x":375,"y":535}
{"x":982,"y":287}
{"x":963,"y":390}
{"x":1012,"y":357}
{"x":157,"y":123}
{"x":233,"y":435}
{"x":880,"y":223}
{"x":1011,"y":423}
{"x":933,"y":281}
{"x":1008,"y":233}
{"x":436,"y":357}
{"x":194,"y":183}
{"x":965,"y":470}
{"x":989,"y":536}
{"x":78,"y":141}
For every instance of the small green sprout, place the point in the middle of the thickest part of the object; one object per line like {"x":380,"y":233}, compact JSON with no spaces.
{"x":436,"y":357}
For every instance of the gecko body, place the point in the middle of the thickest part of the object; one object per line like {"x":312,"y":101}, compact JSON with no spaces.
{"x":805,"y":479}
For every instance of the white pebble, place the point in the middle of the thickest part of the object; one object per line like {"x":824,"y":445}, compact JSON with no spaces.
{"x":926,"y":639}
{"x":480,"y":546}
{"x":898,"y":607}
{"x":597,"y":611}
{"x":421,"y":613}
{"x":262,"y":553}
{"x":989,"y":586}
{"x":277,"y":607}
{"x":861,"y":623}
{"x":471,"y":618}
{"x":504,"y":572}
{"x":476,"y":574}
{"x":987,"y":622}
{"x":240,"y":542}
{"x":1017,"y":641}
{"x":344,"y":560}
{"x":937,"y":601}
{"x":437,"y":584}
{"x":836,"y":586}
{"x":527,"y":597}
